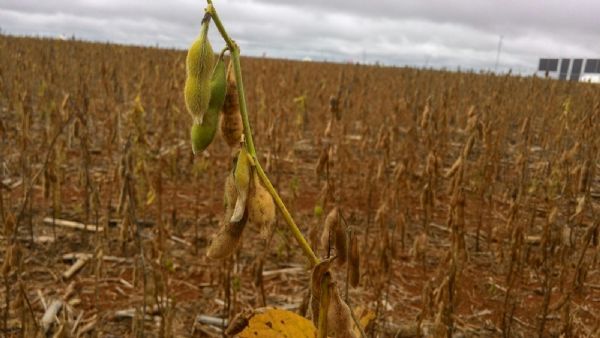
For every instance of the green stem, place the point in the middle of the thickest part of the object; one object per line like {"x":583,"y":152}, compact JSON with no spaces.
{"x":235,"y":58}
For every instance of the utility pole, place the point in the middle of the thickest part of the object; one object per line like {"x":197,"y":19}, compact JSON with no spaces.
{"x":498,"y":53}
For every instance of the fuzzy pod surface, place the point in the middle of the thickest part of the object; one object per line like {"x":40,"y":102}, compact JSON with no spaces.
{"x":226,"y":241}
{"x":339,"y":318}
{"x":242,"y":182}
{"x":261,"y":207}
{"x":199,"y":65}
{"x":204,"y":130}
{"x":228,"y":237}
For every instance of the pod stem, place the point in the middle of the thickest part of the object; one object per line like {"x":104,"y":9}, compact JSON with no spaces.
{"x":235,"y":58}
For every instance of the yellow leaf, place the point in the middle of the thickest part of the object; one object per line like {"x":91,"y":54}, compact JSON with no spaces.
{"x":275,"y":323}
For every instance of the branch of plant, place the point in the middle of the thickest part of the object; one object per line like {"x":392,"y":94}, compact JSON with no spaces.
{"x":235,"y":58}
{"x":323,"y":307}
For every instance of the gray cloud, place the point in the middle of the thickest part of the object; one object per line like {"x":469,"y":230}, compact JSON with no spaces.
{"x":438,"y":33}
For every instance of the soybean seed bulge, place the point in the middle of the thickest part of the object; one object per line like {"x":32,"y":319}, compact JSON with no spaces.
{"x":199,"y":66}
{"x":261,"y":207}
{"x":231,"y":125}
{"x":203,"y":132}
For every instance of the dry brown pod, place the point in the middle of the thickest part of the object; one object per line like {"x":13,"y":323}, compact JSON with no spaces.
{"x":319,"y":272}
{"x":226,"y":241}
{"x":339,"y":318}
{"x":231,"y":122}
{"x":322,"y":162}
{"x":334,"y":233}
{"x":260,"y":207}
{"x":341,"y":243}
{"x":229,"y":235}
{"x":331,"y":222}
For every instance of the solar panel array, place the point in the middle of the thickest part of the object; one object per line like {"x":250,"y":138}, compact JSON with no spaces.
{"x":564,"y":68}
{"x":592,"y":66}
{"x":576,"y":69}
{"x":549,"y":65}
{"x":570,"y":69}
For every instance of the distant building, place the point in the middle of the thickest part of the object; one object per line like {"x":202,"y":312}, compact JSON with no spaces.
{"x":587,"y":70}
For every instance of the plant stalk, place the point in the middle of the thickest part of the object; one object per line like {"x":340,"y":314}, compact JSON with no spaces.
{"x":323,"y":307}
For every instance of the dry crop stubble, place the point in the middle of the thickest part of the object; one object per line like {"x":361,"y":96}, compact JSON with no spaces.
{"x":528,"y":179}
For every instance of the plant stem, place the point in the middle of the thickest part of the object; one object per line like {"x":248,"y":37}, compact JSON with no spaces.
{"x":235,"y":58}
{"x":323,"y":307}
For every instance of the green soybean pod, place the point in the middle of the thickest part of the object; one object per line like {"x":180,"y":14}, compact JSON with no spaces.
{"x":203,"y":131}
{"x":199,"y":65}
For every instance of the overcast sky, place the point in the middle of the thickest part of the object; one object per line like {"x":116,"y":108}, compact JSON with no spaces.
{"x":436,"y":33}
